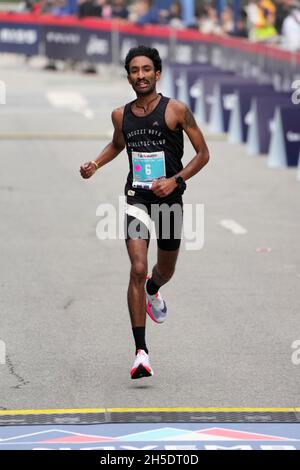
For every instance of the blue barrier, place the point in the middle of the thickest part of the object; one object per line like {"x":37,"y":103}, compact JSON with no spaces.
{"x":203,"y":89}
{"x":223,"y":100}
{"x":258,"y":120}
{"x":209,"y":90}
{"x":77,"y":44}
{"x":20,"y":39}
{"x":175,"y":46}
{"x":185,"y":77}
{"x":285,"y":138}
{"x":237,"y":129}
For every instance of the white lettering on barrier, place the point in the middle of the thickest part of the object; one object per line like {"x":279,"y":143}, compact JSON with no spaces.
{"x":296,"y":94}
{"x":272,"y":125}
{"x":18,"y":36}
{"x":184,"y":54}
{"x":196,"y":90}
{"x":97,"y":46}
{"x":63,"y":38}
{"x":163,"y":49}
{"x":292,"y":136}
{"x":249,"y":118}
{"x":229,"y":101}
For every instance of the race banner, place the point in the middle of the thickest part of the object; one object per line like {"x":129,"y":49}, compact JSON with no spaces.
{"x":20,"y":38}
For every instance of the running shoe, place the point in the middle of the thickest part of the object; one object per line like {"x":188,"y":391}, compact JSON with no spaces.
{"x":141,"y":366}
{"x":156,"y":306}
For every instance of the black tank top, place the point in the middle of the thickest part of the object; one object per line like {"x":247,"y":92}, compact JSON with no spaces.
{"x":151,"y":134}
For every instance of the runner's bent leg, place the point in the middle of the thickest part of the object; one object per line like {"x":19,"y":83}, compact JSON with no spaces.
{"x":165,"y":266}
{"x":167,"y":248}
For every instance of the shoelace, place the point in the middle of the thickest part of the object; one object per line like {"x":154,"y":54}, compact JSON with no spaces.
{"x":141,"y":357}
{"x":157,"y":301}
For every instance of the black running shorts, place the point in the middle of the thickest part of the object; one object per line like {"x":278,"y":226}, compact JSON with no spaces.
{"x":167,"y":218}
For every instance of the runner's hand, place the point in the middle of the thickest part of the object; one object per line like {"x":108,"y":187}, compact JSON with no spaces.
{"x":164,"y":186}
{"x":87,"y":170}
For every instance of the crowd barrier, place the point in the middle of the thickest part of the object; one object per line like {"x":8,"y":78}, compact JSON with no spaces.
{"x":259,"y":120}
{"x":285,"y":137}
{"x":107,"y":41}
{"x":239,"y":109}
{"x":231,"y":84}
{"x":251,"y":112}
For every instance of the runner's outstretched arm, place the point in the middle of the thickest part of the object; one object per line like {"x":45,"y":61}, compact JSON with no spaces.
{"x":110,"y":151}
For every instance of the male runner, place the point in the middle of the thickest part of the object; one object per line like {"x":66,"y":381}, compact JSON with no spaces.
{"x":151,"y":127}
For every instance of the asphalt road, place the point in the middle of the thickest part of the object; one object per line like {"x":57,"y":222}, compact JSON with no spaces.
{"x":234,"y":304}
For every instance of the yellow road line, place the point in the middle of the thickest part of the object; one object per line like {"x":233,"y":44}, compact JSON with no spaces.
{"x":146,"y":410}
{"x":50,"y":412}
{"x":199,"y":410}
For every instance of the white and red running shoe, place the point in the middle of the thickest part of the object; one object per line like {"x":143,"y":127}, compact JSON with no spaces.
{"x":141,"y":366}
{"x":156,"y":306}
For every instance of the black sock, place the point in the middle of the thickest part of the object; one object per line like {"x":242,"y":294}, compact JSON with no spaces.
{"x":139,"y":338}
{"x":151,"y":287}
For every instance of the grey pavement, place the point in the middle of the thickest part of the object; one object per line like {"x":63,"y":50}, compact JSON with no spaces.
{"x":234,"y":311}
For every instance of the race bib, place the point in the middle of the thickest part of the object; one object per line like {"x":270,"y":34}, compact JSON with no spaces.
{"x":147,"y":167}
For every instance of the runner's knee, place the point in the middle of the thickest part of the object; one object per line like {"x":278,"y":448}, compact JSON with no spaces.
{"x":138,"y":271}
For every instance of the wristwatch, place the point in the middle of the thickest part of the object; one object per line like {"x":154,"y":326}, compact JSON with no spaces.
{"x":180,"y":182}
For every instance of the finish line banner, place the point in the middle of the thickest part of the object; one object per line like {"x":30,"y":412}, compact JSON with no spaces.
{"x":147,"y":437}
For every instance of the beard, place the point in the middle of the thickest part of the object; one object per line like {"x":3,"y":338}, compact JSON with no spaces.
{"x":144,"y":91}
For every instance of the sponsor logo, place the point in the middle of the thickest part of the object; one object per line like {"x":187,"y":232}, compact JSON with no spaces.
{"x":97,"y":46}
{"x":184,"y":54}
{"x":62,"y":38}
{"x":296,"y":94}
{"x":18,"y":36}
{"x":196,"y":90}
{"x":272,"y":125}
{"x":229,"y":101}
{"x":292,"y":136}
{"x":249,"y":118}
{"x":201,"y":54}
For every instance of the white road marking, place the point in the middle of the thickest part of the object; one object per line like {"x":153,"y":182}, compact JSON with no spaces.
{"x":263,"y":249}
{"x":71,"y":100}
{"x":233,"y":226}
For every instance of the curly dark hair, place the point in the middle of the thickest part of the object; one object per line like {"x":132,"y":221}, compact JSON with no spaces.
{"x":149,"y":52}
